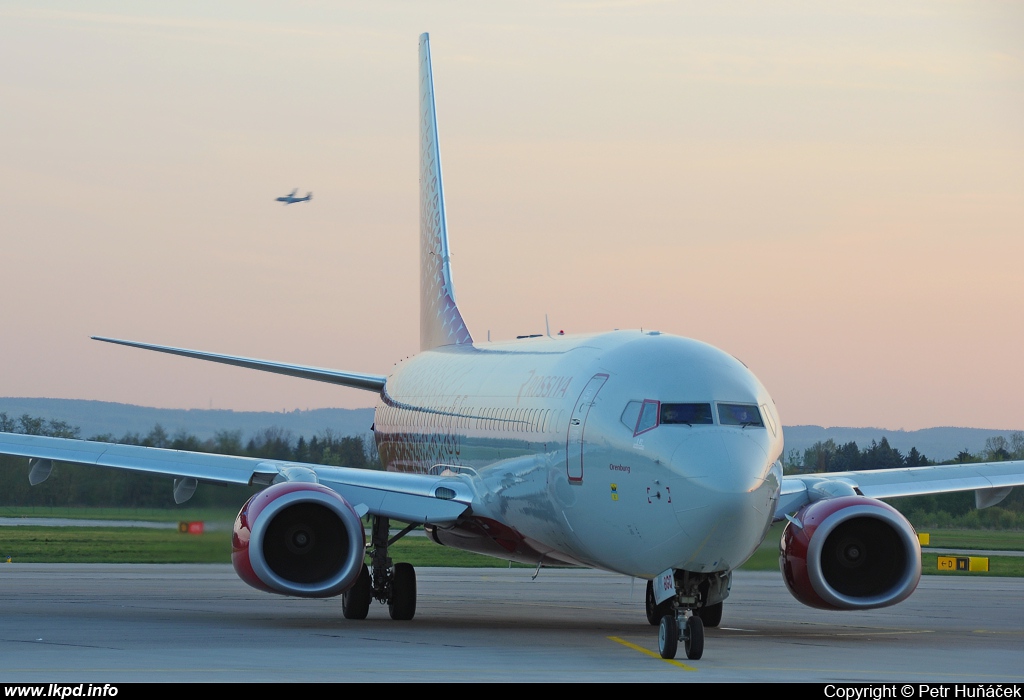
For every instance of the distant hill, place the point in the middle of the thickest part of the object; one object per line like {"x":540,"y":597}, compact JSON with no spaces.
{"x":101,"y":417}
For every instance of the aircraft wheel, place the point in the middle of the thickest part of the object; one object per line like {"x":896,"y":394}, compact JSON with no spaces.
{"x":668,"y":637}
{"x":656,"y":611}
{"x":710,"y":615}
{"x":402,"y":605}
{"x":693,"y":638}
{"x":355,"y":602}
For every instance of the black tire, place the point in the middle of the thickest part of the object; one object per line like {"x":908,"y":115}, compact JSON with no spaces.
{"x":656,"y":611}
{"x":355,"y":602}
{"x":693,"y":639}
{"x":402,"y":605}
{"x":668,"y":637}
{"x":710,"y":615}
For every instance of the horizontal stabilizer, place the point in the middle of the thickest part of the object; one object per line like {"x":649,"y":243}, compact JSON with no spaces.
{"x":367,"y":382}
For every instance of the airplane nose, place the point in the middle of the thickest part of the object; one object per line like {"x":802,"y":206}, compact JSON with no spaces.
{"x":727,"y":495}
{"x":729,"y":459}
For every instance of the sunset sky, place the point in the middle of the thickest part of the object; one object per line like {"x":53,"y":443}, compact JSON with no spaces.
{"x":832,"y":192}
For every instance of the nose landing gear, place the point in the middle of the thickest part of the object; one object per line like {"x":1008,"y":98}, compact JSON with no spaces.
{"x":690,"y":633}
{"x":683,"y":617}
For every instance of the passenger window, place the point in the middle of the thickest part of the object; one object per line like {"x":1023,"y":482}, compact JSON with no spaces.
{"x":686,"y":414}
{"x":739,"y":414}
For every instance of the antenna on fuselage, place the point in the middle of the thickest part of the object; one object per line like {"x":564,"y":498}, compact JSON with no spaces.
{"x":547,"y":326}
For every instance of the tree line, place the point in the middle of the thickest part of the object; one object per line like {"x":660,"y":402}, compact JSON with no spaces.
{"x":827,"y":456}
{"x":77,"y":485}
{"x":937,"y":510}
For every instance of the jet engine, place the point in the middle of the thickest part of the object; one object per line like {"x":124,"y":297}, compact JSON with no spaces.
{"x":850,"y":553}
{"x":300,"y":539}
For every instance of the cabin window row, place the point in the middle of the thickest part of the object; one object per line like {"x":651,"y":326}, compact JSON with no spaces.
{"x":511,"y":420}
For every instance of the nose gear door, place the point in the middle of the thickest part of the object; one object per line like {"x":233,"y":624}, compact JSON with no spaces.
{"x":577,"y":425}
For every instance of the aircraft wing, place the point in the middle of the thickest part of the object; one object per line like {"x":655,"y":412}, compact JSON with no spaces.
{"x":410,"y":498}
{"x":355,"y":380}
{"x":991,"y":482}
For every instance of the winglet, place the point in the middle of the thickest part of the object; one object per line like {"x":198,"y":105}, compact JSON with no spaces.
{"x":440,"y":320}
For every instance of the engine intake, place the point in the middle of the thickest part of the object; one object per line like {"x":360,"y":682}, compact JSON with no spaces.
{"x":298,"y":539}
{"x":850,"y":553}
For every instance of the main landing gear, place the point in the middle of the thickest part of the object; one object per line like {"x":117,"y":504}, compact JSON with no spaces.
{"x":710,"y":615}
{"x":394,"y":584}
{"x":655,"y":610}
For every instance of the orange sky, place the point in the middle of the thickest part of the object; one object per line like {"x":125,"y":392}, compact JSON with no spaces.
{"x":833,"y":194}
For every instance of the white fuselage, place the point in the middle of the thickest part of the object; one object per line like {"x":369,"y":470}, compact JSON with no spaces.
{"x":545,"y":431}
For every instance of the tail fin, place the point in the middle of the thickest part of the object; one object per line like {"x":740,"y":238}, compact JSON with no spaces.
{"x":440,"y":320}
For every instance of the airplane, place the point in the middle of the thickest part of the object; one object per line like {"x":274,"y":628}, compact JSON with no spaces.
{"x":292,"y":199}
{"x":632,"y":451}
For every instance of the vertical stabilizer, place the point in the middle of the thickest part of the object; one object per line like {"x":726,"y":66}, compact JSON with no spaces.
{"x":440,"y":320}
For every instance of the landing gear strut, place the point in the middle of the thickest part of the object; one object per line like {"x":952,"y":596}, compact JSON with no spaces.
{"x":393,"y":584}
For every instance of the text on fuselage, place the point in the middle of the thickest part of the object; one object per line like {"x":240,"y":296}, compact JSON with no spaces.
{"x":544,"y":386}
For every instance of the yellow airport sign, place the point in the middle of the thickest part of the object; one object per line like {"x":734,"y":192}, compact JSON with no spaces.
{"x":963,"y":563}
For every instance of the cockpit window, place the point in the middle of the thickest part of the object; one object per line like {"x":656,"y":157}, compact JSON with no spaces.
{"x":767,"y":415}
{"x":648,"y":417}
{"x":739,"y":414}
{"x":686,"y":413}
{"x":631,"y":415}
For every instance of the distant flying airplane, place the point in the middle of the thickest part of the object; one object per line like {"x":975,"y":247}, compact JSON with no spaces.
{"x":636,"y":452}
{"x":292,"y":199}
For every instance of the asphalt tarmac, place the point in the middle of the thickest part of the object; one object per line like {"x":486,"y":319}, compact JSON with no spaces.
{"x":111,"y":623}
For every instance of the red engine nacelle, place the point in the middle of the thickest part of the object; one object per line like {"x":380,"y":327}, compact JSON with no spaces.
{"x":851,"y":553}
{"x":298,"y":539}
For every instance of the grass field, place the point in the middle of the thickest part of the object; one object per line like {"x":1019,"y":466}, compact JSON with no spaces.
{"x":141,"y":545}
{"x":131,"y":545}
